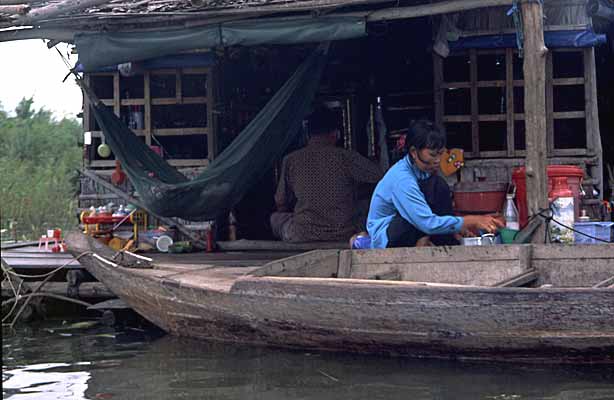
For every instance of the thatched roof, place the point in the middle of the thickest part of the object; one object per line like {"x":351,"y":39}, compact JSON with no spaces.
{"x":59,"y":20}
{"x":122,"y":14}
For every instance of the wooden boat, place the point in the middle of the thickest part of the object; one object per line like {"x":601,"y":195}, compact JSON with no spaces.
{"x":451,"y":302}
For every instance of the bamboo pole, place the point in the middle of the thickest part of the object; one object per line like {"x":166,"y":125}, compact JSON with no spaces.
{"x":535,"y":53}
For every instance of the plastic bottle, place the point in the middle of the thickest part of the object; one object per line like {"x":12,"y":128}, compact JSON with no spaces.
{"x":562,"y":204}
{"x":510,"y":213}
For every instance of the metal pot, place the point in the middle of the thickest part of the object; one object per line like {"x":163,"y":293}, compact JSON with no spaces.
{"x":484,"y":240}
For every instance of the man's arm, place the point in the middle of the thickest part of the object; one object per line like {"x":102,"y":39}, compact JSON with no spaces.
{"x":284,"y":197}
{"x":364,"y":170}
{"x":409,"y":201}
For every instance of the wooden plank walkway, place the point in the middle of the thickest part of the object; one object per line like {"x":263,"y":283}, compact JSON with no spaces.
{"x":33,"y":258}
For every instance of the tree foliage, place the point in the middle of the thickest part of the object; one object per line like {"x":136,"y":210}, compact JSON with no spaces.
{"x":39,"y":156}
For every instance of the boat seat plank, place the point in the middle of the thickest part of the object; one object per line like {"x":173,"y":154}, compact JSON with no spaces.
{"x":520,"y":279}
{"x":317,"y":263}
{"x":392,"y":275}
{"x":605,"y":283}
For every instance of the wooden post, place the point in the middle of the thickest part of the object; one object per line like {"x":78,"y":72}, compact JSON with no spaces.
{"x":475,"y":124}
{"x":509,"y":101}
{"x":437,"y":80}
{"x":147,"y":107}
{"x":211,"y":126}
{"x":593,"y":134}
{"x":535,"y":53}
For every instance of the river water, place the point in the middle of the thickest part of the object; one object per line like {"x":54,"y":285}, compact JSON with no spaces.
{"x":57,"y":359}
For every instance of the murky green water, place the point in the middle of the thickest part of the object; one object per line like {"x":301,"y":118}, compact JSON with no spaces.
{"x":53,"y":361}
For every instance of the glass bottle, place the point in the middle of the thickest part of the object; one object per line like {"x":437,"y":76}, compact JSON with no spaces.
{"x":510,"y":213}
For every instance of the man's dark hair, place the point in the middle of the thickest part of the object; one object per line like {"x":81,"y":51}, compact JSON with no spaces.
{"x":424,"y":134}
{"x":322,"y":120}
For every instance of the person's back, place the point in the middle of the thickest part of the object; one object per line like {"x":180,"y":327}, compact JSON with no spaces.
{"x":315,"y":196}
{"x":322,"y":181}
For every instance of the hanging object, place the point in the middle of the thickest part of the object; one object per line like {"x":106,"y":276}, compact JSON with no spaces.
{"x":165,"y":191}
{"x":451,"y":161}
{"x":514,"y":12}
{"x":118,"y":176}
{"x":103,"y":150}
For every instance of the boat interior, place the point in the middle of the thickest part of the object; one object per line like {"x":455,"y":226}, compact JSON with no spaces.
{"x":496,"y":266}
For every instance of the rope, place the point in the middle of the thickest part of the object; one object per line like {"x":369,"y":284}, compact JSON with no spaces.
{"x":15,"y":303}
{"x":34,"y":293}
{"x":549,"y":217}
{"x":516,"y":15}
{"x":51,"y":295}
{"x":11,"y":272}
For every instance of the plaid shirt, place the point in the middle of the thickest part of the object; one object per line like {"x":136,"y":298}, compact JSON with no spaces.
{"x":318,"y":184}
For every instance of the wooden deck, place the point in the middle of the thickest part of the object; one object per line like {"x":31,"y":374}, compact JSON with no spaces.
{"x":222,"y":268}
{"x":33,"y":258}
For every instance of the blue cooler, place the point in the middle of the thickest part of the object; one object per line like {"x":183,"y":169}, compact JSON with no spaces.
{"x":598,"y":229}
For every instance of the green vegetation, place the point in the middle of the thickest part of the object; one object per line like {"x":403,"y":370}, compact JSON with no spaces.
{"x":39,"y":156}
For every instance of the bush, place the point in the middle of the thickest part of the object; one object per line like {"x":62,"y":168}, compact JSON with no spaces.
{"x":39,"y":157}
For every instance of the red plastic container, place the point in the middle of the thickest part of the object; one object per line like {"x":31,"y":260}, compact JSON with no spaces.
{"x":479,"y":197}
{"x":101,"y":219}
{"x":574,"y":177}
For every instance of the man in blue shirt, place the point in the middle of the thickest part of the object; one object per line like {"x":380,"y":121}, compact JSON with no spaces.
{"x":412,"y":205}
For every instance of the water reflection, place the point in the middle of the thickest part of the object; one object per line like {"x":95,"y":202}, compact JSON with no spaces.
{"x":44,"y":381}
{"x":102,"y":364}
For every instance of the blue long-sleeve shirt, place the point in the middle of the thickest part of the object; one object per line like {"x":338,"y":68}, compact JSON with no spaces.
{"x":398,"y":191}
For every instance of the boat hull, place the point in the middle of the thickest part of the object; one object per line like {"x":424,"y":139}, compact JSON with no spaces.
{"x":511,"y":324}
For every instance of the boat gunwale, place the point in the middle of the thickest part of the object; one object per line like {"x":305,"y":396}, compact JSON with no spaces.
{"x":247,"y":278}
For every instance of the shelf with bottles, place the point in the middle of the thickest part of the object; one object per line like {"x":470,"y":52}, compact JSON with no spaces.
{"x":106,"y":219}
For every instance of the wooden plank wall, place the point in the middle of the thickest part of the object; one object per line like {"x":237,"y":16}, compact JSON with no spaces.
{"x":558,"y":265}
{"x":573,"y":265}
{"x":460,"y":265}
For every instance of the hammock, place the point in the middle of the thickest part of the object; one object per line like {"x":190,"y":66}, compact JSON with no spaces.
{"x":167,"y":192}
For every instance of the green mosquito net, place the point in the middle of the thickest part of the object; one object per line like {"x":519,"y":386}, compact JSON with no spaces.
{"x":167,"y":192}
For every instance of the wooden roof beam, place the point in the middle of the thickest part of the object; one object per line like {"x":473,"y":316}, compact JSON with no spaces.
{"x":444,"y":7}
{"x":15,"y":2}
{"x":62,"y":35}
